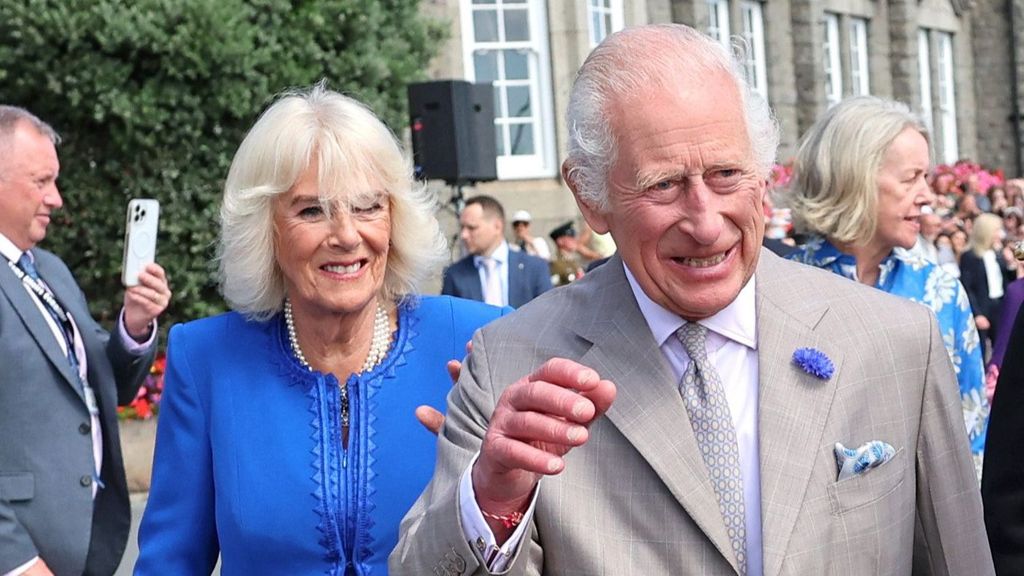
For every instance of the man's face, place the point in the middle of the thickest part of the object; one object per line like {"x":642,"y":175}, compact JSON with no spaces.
{"x":28,"y":186}
{"x":685,"y":195}
{"x":567,"y":243}
{"x":480,"y":232}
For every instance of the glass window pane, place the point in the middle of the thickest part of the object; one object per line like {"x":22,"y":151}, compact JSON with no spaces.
{"x":522,"y":139}
{"x":485,"y":65}
{"x":484,"y":1}
{"x":517,"y":26}
{"x":499,"y":138}
{"x":499,"y":110}
{"x":595,"y":29}
{"x":515,"y":1}
{"x":517,"y":66}
{"x":519,"y":101}
{"x":485,"y":25}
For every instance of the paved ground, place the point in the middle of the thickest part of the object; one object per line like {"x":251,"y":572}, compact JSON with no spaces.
{"x":132,"y":551}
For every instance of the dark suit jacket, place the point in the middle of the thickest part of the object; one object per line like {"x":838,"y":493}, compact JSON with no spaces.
{"x":975,"y":281}
{"x":1002,"y":484}
{"x":46,"y":462}
{"x":528,"y":278}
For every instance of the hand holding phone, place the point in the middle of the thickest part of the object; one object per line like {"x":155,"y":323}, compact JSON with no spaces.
{"x":139,"y":238}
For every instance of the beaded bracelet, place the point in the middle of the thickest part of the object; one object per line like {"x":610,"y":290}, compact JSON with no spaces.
{"x":508,"y":520}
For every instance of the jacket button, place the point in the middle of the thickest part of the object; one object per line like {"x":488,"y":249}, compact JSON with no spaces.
{"x":85,"y":480}
{"x":84,"y":428}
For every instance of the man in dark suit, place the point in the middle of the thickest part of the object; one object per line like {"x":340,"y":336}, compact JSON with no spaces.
{"x":1002,"y":483}
{"x":63,"y":497}
{"x":491,"y":272}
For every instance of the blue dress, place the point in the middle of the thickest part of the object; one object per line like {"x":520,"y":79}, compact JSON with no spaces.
{"x":249,"y":458}
{"x":909,"y":275}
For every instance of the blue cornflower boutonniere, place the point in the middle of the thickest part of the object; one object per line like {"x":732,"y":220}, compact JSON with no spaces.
{"x":814,"y":362}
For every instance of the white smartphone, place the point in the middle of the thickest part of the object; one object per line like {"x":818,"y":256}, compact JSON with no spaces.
{"x":140,"y":231}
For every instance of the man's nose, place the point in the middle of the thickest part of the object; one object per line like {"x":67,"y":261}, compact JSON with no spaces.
{"x":700,"y":217}
{"x":52,"y":199}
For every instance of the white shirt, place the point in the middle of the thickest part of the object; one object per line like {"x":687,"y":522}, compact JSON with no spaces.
{"x":500,"y":255}
{"x":994,"y":274}
{"x":732,"y":347}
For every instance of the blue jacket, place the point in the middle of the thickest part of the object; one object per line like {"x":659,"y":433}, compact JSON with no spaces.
{"x":249,"y":458}
{"x":528,"y":277}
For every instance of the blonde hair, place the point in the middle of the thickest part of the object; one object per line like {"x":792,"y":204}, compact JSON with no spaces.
{"x":983,"y":232}
{"x":354,"y":153}
{"x":834,"y":191}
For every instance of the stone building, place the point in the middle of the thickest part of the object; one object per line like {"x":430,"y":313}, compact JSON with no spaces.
{"x":958,"y":62}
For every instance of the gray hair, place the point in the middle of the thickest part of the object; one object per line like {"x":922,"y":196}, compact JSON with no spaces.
{"x":354,"y":152}
{"x":834,"y":191}
{"x":11,"y":116}
{"x":635,"y":59}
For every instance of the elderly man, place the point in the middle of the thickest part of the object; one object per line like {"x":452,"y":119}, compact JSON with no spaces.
{"x":63,"y":497}
{"x":696,"y":405}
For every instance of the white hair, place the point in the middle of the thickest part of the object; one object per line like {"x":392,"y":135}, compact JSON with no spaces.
{"x":634,"y":60}
{"x":355,"y":153}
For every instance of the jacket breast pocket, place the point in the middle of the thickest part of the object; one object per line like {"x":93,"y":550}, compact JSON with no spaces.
{"x":17,"y":487}
{"x":869,"y":487}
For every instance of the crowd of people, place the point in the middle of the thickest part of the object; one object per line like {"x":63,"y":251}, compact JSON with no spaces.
{"x":692,"y":403}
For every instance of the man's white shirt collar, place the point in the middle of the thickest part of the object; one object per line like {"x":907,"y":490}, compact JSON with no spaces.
{"x":737,"y":321}
{"x":500,"y":254}
{"x":9,"y":250}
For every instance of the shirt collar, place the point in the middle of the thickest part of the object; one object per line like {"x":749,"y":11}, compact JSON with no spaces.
{"x":9,"y":250}
{"x":737,"y":321}
{"x":500,"y":255}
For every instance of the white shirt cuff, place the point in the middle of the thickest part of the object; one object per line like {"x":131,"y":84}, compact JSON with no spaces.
{"x":23,"y":568}
{"x":134,"y":348}
{"x":478,"y":533}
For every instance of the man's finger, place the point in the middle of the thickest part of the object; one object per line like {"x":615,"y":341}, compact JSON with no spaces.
{"x":430,"y":418}
{"x":536,"y":427}
{"x":548,"y":398}
{"x":567,"y":373}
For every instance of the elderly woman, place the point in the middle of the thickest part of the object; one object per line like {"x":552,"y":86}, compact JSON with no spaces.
{"x":287,"y":438}
{"x":859,"y":186}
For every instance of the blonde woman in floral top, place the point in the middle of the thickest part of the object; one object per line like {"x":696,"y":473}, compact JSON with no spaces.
{"x":858,"y":189}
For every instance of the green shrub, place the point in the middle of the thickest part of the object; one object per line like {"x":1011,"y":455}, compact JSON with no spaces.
{"x":152,"y":97}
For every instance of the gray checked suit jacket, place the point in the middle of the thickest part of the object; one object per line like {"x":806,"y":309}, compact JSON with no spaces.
{"x":46,"y":461}
{"x":636,"y":499}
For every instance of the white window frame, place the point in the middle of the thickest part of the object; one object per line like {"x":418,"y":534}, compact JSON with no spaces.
{"x":924,"y":73}
{"x":542,"y":163}
{"x":859,"y":67}
{"x":754,"y":64}
{"x":607,"y":10}
{"x":947,"y":98}
{"x":833,"y":62}
{"x":718,"y":22}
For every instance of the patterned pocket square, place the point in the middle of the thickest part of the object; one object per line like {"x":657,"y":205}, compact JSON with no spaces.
{"x":857,"y":462}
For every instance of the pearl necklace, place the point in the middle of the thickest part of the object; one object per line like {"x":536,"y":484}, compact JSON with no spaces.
{"x":378,"y":345}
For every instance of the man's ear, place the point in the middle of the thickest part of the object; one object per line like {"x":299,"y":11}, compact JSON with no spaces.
{"x":595,"y":218}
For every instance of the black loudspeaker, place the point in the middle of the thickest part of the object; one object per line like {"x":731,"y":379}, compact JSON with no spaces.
{"x":453,"y":131}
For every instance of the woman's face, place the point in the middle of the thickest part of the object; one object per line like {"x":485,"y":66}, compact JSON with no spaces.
{"x":332,"y":264}
{"x":902,"y":190}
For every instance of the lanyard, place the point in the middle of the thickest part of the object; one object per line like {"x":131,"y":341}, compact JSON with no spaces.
{"x":42,"y":292}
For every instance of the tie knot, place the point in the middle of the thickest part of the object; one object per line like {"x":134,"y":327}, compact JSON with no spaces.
{"x":489,"y":263}
{"x":694,"y":338}
{"x":25,"y":263}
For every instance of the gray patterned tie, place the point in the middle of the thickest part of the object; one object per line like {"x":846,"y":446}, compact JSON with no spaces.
{"x":705,"y":402}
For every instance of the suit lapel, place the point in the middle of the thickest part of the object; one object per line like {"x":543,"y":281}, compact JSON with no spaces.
{"x":25,"y":307}
{"x":516,"y":279}
{"x":648,"y":410}
{"x":472,"y":289}
{"x":793,"y":405}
